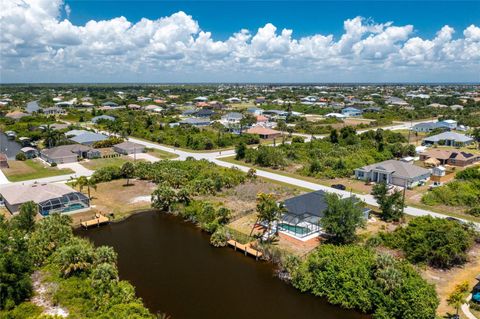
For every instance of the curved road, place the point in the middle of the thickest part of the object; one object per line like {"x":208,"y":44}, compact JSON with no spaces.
{"x":216,"y":157}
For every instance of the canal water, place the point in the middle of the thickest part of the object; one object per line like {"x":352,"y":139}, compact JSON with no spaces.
{"x":176,"y":271}
{"x":9,"y":147}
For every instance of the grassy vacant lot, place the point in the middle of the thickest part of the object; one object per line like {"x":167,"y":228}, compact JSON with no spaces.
{"x":413,"y":197}
{"x":161,"y":154}
{"x":115,"y":197}
{"x":31,"y":169}
{"x":353,"y":185}
{"x":97,"y":163}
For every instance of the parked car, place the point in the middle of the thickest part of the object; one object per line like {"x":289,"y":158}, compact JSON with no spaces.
{"x":435,"y":185}
{"x":339,"y":186}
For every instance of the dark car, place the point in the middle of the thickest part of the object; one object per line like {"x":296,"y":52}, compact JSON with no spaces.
{"x":339,"y":186}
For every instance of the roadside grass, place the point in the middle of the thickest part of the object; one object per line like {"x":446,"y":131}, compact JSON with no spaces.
{"x":98,"y":163}
{"x":445,"y":210}
{"x":160,"y":154}
{"x":185,"y":149}
{"x":355,"y":186}
{"x":262,"y":142}
{"x":32,"y":169}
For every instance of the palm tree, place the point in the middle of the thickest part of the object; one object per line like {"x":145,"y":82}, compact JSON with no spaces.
{"x":268,"y":210}
{"x":83,"y":181}
{"x":51,"y":137}
{"x":163,"y":197}
{"x":128,"y":169}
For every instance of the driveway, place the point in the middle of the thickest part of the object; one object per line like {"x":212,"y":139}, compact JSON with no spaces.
{"x":79,"y":169}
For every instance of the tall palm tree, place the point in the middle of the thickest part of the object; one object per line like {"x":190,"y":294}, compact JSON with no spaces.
{"x":50,"y":136}
{"x":268,"y":210}
{"x":83,"y":181}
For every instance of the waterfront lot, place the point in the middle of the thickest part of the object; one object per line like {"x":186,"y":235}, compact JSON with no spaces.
{"x":412,"y":196}
{"x":114,"y":197}
{"x":32,"y":169}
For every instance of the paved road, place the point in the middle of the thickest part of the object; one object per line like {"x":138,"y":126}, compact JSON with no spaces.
{"x":216,"y":156}
{"x":394,"y":127}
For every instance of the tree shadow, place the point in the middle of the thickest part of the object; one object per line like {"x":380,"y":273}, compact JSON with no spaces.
{"x":128,"y":185}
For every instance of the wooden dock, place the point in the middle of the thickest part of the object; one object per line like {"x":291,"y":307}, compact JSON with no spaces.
{"x":98,"y":220}
{"x":247,"y":248}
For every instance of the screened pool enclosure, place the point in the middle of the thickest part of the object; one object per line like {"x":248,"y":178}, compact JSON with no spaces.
{"x":66,"y":203}
{"x":299,"y":225}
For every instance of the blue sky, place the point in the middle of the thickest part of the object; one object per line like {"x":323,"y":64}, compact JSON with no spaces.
{"x":223,"y":18}
{"x":239,"y":41}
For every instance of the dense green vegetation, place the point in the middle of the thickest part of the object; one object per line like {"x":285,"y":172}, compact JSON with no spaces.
{"x":439,"y":242}
{"x":335,"y":156}
{"x":355,"y":277}
{"x":85,"y":277}
{"x":342,"y":218}
{"x":463,"y":191}
{"x":197,"y":176}
{"x":391,"y":205}
{"x":156,"y":128}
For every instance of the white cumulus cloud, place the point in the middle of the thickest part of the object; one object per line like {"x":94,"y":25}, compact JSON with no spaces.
{"x":37,"y":45}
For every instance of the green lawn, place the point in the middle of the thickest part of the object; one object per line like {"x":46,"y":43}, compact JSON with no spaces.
{"x":32,"y":169}
{"x":98,"y":163}
{"x":161,"y":154}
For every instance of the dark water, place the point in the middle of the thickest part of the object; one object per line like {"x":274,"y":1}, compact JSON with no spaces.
{"x":175,"y":270}
{"x":9,"y":147}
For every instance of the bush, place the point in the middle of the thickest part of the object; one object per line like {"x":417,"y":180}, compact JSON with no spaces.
{"x":438,"y":242}
{"x":21,"y":157}
{"x":107,"y":174}
{"x":219,"y":237}
{"x":354,"y":277}
{"x":475,"y":211}
{"x":456,"y":193}
{"x":112,"y":140}
{"x":297,"y":139}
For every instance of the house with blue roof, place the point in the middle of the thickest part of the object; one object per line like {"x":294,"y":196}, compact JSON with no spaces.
{"x":352,"y":112}
{"x":85,"y":137}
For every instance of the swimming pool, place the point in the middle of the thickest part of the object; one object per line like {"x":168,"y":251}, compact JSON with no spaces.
{"x":72,"y":207}
{"x":297,"y":230}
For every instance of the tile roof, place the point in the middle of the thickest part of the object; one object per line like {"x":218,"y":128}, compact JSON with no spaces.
{"x":260,"y":130}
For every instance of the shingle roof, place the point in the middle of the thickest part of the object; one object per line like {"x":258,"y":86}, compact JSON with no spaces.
{"x":313,"y":203}
{"x":398,"y":169}
{"x":127,"y":145}
{"x":449,"y":136}
{"x":88,"y":137}
{"x":234,"y":115}
{"x":65,"y":150}
{"x":17,"y":194}
{"x":195,"y":121}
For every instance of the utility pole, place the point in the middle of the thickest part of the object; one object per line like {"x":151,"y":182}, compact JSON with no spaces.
{"x":403,"y":198}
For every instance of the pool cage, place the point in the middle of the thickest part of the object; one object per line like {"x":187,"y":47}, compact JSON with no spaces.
{"x":299,"y":225}
{"x":66,"y":203}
